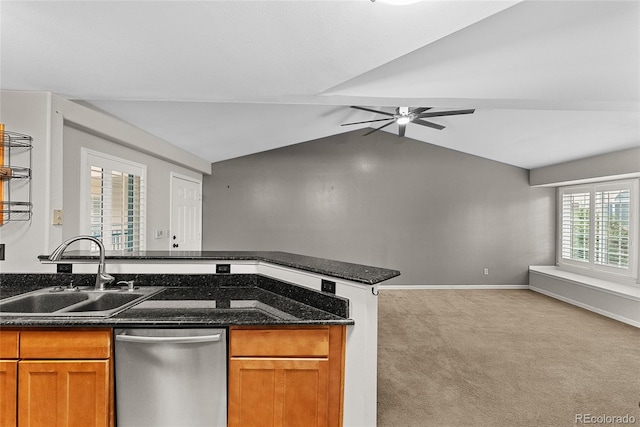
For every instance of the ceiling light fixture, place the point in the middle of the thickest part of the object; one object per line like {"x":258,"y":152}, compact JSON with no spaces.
{"x":403,"y":120}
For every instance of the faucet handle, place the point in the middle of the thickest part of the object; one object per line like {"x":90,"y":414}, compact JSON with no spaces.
{"x":106,"y":278}
{"x":129,"y":284}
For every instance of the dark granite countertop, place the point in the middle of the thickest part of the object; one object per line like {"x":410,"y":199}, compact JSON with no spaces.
{"x":344,"y":270}
{"x":192,"y":301}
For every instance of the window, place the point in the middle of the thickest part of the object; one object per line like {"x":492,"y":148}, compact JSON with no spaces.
{"x":598,"y":226}
{"x":114,"y":201}
{"x":576,"y":207}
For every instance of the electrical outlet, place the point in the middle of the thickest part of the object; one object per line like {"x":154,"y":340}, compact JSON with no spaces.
{"x":485,"y":271}
{"x":328,"y":286}
{"x":223,"y":268}
{"x":64,"y":268}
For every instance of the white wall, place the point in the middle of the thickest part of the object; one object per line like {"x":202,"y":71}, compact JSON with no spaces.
{"x":30,"y":113}
{"x":47,"y":118}
{"x":158,"y":183}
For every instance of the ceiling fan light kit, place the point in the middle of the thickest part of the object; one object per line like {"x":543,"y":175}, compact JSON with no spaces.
{"x":404,"y":116}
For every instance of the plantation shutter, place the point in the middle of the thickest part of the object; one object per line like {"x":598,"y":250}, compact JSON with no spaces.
{"x":117,"y":202}
{"x":598,"y":223}
{"x":575,"y":224}
{"x":612,"y":223}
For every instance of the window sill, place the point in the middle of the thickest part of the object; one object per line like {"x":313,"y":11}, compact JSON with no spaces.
{"x":618,"y":289}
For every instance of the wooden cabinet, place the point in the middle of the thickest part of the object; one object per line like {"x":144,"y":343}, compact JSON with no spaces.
{"x":8,"y":378}
{"x":8,"y":392}
{"x":286,"y":377}
{"x":63,"y":393}
{"x":64,"y":378}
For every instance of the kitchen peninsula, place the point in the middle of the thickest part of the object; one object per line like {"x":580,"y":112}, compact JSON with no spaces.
{"x":276,"y":289}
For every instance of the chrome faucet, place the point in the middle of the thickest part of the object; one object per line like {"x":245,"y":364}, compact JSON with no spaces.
{"x":102,"y":278}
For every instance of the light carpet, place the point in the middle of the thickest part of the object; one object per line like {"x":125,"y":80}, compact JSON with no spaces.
{"x":450,"y":358}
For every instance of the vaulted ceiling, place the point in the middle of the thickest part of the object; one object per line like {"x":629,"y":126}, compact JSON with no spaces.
{"x":551,"y":81}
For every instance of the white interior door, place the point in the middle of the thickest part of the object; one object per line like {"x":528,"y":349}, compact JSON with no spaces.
{"x":186,"y":214}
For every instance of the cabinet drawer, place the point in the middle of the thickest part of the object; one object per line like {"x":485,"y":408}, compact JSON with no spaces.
{"x":9,"y":344}
{"x":284,"y":342}
{"x":94,"y":344}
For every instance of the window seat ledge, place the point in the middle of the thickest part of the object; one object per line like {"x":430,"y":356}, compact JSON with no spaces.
{"x":627,"y":291}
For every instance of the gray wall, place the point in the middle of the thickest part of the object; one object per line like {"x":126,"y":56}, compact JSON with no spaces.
{"x":616,"y":165}
{"x":437,"y":215}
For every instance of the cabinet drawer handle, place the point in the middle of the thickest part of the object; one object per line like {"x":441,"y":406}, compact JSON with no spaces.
{"x":168,"y":340}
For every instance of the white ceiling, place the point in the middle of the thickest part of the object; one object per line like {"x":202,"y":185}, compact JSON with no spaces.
{"x":551,"y":81}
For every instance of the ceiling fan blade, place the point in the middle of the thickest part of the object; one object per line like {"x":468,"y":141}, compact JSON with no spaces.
{"x":428,"y":124}
{"x":420,"y":110}
{"x":366,"y":121}
{"x":445,"y":113}
{"x":401,"y":129}
{"x":377,"y":129}
{"x":372,"y":111}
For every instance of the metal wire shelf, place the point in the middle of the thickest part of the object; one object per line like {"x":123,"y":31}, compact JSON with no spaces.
{"x":15,"y":169}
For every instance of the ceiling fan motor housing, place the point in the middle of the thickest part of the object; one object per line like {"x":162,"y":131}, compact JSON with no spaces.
{"x":403,"y":116}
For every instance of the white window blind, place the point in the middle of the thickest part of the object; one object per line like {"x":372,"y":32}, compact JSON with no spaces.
{"x":612,"y":208}
{"x":576,"y":225}
{"x":116,"y":213}
{"x":598,"y":226}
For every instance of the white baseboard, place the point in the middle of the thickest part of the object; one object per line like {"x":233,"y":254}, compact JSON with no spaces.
{"x":587,"y":307}
{"x":405,"y":287}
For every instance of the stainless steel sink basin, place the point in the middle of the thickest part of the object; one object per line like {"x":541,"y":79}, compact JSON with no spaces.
{"x":57,"y":301}
{"x":43,"y":303}
{"x":107,"y":301}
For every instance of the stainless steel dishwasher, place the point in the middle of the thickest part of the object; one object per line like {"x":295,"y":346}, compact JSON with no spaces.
{"x":171,"y":377}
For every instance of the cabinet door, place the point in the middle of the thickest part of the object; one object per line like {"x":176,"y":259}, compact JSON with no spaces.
{"x":8,"y":392}
{"x":63,"y":393}
{"x":267,"y":392}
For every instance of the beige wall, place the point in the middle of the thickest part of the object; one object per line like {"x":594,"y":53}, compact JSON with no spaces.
{"x":437,"y":215}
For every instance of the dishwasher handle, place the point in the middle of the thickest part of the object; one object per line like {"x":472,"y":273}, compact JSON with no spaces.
{"x":168,"y":340}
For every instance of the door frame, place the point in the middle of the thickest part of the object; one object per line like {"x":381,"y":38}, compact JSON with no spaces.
{"x":197,"y":181}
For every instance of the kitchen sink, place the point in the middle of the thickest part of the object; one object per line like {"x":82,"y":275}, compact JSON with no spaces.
{"x":107,"y":301}
{"x":42,"y":303}
{"x":58,"y":301}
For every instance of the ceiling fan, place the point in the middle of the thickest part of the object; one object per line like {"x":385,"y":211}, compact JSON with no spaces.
{"x":404,"y":115}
